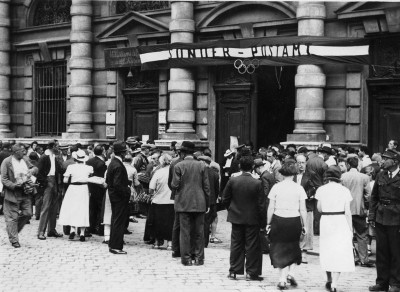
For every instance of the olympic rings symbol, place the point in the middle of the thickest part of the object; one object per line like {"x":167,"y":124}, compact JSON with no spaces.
{"x":246,"y":65}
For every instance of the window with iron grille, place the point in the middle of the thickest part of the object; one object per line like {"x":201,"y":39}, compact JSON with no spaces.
{"x":50,"y":101}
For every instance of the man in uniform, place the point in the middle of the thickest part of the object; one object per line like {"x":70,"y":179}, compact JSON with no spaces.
{"x":384,"y":214}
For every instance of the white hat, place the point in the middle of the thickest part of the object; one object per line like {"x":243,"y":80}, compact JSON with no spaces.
{"x":228,"y":152}
{"x":80,"y":155}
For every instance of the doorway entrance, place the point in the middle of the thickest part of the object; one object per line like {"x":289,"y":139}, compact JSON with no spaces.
{"x":257,"y":108}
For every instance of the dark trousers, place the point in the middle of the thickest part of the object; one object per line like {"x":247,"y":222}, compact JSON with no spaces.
{"x":38,"y":198}
{"x":16,"y":215}
{"x":360,"y":227}
{"x":388,"y":255}
{"x":118,"y":224}
{"x":95,"y":205}
{"x":245,"y":246}
{"x":176,"y":229}
{"x":191,"y":237}
{"x":48,"y":214}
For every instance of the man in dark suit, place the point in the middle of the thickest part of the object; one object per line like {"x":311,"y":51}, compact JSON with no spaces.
{"x":192,"y":195}
{"x":4,"y":153}
{"x":302,"y":178}
{"x":15,"y":171}
{"x":245,"y":200}
{"x":213,"y":179}
{"x":119,"y":193}
{"x":176,"y":253}
{"x":384,"y":214}
{"x":267,"y":181}
{"x":49,"y":170}
{"x":97,"y":192}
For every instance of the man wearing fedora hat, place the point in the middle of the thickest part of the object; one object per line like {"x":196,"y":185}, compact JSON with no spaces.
{"x":190,"y":180}
{"x":49,"y":172}
{"x":119,"y":193}
{"x":384,"y":214}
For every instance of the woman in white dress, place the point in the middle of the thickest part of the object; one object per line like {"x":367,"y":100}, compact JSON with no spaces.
{"x":336,"y":231}
{"x":75,"y":207}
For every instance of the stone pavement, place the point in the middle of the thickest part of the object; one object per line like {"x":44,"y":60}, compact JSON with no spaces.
{"x":63,"y":265}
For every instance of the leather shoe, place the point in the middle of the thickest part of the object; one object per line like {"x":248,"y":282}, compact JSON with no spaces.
{"x":198,"y":262}
{"x":378,"y":287}
{"x":232,"y":276}
{"x":292,"y":281}
{"x":367,"y":265}
{"x":16,"y":245}
{"x":328,"y":285}
{"x":71,"y":236}
{"x":41,"y":237}
{"x":82,"y":238}
{"x":105,"y":241}
{"x":176,"y":254}
{"x":187,"y":263}
{"x":282,"y":286}
{"x":253,"y":278}
{"x":54,"y":234}
{"x":127,"y":231}
{"x":117,"y":251}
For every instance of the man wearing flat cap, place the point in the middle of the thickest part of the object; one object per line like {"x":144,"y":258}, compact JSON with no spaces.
{"x":190,"y":180}
{"x":384,"y":213}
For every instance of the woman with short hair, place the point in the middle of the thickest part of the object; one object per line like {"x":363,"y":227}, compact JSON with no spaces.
{"x":286,"y":221}
{"x":162,"y":207}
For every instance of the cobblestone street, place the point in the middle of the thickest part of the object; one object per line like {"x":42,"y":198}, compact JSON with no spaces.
{"x":63,"y":265}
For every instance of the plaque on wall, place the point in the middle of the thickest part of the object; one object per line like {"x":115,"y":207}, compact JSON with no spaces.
{"x":121,"y":57}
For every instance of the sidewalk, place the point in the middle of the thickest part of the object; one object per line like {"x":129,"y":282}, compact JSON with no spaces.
{"x":63,"y":265}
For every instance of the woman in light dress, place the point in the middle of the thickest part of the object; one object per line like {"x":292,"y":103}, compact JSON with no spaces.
{"x":336,"y":231}
{"x":75,"y":206}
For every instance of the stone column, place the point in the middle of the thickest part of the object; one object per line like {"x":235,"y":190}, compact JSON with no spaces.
{"x":181,"y":85}
{"x":5,"y":70}
{"x":310,"y":80}
{"x":81,"y":64}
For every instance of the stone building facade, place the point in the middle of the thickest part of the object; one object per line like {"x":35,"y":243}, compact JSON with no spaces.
{"x":58,"y":78}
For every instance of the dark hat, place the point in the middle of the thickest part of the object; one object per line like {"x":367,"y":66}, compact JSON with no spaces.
{"x":240,"y":146}
{"x":145,"y":146}
{"x":204,"y":158}
{"x":258,"y":162}
{"x":326,"y":149}
{"x":187,"y":146}
{"x":391,"y":154}
{"x":333,"y":173}
{"x":63,"y":147}
{"x":246,"y":151}
{"x":131,"y":140}
{"x":302,"y":149}
{"x":51,"y":144}
{"x":119,"y":147}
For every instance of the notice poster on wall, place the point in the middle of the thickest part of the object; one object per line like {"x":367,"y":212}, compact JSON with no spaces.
{"x":110,"y":131}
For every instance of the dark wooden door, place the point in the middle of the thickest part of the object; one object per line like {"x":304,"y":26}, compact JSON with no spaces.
{"x":233,"y":112}
{"x":384,"y":122}
{"x":141,"y":115}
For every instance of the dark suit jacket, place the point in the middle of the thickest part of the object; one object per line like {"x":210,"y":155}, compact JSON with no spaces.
{"x":171,"y":175}
{"x":99,"y":169}
{"x":305,"y":183}
{"x":8,"y":180}
{"x":117,"y":181}
{"x":245,"y":200}
{"x":385,"y":189}
{"x":267,"y":181}
{"x":213,"y":178}
{"x":44,"y":166}
{"x":192,"y":187}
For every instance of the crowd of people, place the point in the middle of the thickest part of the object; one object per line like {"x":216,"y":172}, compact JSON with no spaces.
{"x":276,"y":198}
